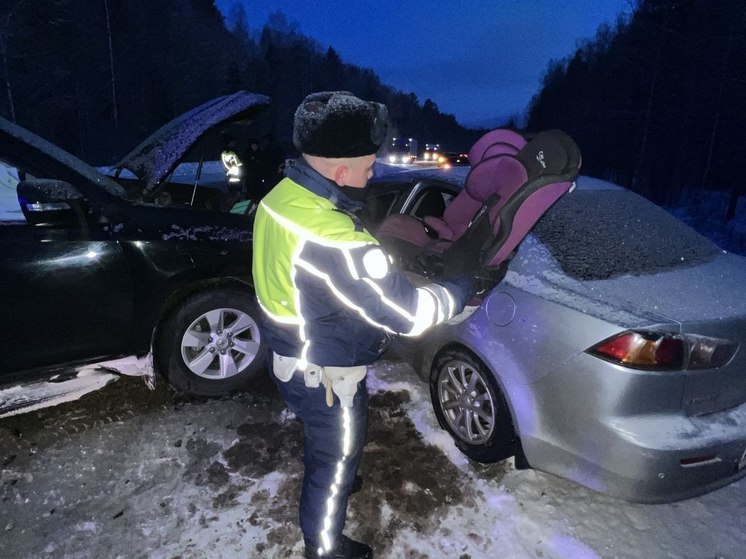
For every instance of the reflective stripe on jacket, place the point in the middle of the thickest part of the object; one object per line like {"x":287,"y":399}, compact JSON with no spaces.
{"x":327,"y":288}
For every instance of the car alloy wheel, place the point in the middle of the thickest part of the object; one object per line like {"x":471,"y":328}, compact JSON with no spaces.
{"x":470,"y":405}
{"x":466,"y":402}
{"x":211,"y":344}
{"x":220,"y":343}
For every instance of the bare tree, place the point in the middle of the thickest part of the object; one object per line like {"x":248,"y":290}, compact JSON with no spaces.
{"x":5,"y":32}
{"x":111,"y":66}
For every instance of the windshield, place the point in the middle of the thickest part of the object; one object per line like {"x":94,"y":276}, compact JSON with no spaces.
{"x":602,"y":234}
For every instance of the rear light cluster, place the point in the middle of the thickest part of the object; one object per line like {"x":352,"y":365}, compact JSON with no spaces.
{"x":665,"y":351}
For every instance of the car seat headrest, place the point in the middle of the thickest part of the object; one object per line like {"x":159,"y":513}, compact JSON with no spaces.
{"x":495,"y":175}
{"x":494,"y":142}
{"x":551,"y":152}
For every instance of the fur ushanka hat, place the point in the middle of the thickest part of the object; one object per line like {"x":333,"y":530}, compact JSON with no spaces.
{"x":337,"y":124}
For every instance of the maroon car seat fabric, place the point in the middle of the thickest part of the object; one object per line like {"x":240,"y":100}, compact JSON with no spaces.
{"x":464,"y":207}
{"x":456,"y":217}
{"x":495,"y":142}
{"x":553,"y":161}
{"x":405,"y":235}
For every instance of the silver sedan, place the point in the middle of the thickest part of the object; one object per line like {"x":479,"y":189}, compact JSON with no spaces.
{"x":610,"y":353}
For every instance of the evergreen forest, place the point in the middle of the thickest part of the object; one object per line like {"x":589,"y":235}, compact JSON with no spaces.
{"x":656,"y":101}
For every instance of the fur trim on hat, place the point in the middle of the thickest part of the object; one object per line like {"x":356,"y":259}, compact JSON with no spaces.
{"x":337,"y":124}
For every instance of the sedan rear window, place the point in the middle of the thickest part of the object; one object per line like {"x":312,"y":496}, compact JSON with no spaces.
{"x":602,"y":234}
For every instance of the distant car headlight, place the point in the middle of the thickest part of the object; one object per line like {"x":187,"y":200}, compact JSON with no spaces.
{"x":392,"y":159}
{"x":665,"y":351}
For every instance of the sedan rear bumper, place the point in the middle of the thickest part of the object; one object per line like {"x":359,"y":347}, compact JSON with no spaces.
{"x":654,"y":458}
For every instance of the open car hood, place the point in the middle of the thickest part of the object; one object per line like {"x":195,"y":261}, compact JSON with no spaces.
{"x":156,"y":157}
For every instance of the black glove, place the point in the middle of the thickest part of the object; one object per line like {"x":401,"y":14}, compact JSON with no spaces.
{"x":465,"y":254}
{"x":462,"y":287}
{"x":476,"y":283}
{"x":485,"y":279}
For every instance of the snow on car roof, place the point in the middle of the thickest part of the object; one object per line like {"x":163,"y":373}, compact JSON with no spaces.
{"x":598,"y":233}
{"x":584,"y":182}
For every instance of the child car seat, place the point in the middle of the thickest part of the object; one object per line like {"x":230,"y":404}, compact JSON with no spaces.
{"x":464,"y":207}
{"x":514,"y":180}
{"x":407,"y":235}
{"x":515,"y":190}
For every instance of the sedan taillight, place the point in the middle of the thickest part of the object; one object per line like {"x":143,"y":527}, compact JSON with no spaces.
{"x":665,"y":351}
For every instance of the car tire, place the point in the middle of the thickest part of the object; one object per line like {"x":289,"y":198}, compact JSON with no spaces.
{"x":470,"y":405}
{"x":211,"y":345}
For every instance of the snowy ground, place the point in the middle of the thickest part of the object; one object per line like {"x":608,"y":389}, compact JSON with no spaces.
{"x":130,"y":473}
{"x":705,"y":213}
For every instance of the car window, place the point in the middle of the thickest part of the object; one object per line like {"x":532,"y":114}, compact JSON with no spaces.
{"x":190,"y":185}
{"x":431,"y":202}
{"x":377,"y":207}
{"x":429,"y":198}
{"x":601,"y":234}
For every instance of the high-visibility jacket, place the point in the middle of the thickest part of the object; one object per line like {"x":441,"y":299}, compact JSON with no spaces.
{"x":328,"y":290}
{"x":232,"y":166}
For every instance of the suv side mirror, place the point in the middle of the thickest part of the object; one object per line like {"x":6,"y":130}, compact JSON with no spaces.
{"x":49,"y":202}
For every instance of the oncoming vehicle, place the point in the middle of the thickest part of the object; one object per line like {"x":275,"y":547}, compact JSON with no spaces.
{"x":138,"y":261}
{"x":431,"y":152}
{"x":609,"y":354}
{"x":450,"y":159}
{"x":402,"y":150}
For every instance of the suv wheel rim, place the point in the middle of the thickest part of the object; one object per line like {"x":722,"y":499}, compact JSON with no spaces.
{"x":466,"y":402}
{"x":220,"y":343}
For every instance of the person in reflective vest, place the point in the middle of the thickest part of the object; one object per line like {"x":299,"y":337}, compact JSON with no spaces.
{"x":331,"y":298}
{"x":231,"y":162}
{"x":234,"y":172}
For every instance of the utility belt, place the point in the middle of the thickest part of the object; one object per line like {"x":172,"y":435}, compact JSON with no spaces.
{"x":341,"y":381}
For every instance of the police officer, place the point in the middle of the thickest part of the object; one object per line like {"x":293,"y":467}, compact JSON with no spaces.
{"x":330,"y":299}
{"x":232,"y":164}
{"x":234,"y":172}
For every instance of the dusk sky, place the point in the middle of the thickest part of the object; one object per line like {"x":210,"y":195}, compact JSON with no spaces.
{"x":480,"y":60}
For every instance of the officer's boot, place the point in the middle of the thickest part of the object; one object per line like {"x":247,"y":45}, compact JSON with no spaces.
{"x":347,"y":549}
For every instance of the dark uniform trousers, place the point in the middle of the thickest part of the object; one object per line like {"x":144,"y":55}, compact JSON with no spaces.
{"x":334,"y":440}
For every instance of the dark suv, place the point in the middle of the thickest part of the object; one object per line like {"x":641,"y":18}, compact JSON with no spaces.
{"x":138,"y":260}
